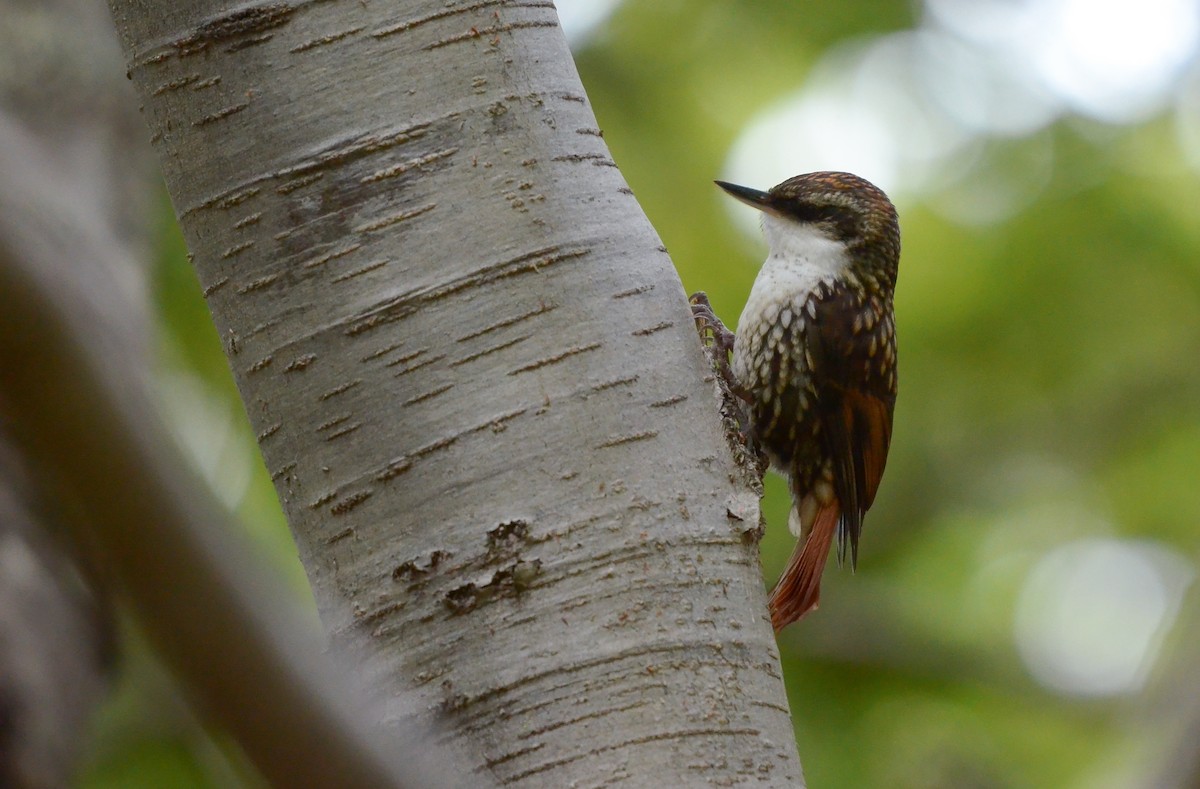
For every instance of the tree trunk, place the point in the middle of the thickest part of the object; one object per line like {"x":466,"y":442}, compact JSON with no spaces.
{"x":475,"y":380}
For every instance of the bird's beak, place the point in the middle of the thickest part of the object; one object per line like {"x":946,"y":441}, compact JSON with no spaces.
{"x":751,"y":197}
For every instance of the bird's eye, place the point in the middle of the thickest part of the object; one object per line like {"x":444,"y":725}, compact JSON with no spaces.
{"x":840,"y":220}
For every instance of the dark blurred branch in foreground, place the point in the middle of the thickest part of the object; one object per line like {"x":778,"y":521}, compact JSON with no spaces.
{"x":69,"y":128}
{"x":55,"y":641}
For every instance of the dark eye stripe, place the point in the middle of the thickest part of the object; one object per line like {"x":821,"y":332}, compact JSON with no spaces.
{"x":842,"y":220}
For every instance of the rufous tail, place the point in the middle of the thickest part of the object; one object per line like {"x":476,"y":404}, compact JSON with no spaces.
{"x":799,"y":588}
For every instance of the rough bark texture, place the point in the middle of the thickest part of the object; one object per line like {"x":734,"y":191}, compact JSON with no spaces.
{"x":474,"y":378}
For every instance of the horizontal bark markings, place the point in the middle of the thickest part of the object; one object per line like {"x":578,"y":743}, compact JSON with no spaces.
{"x":247,"y":21}
{"x":277,"y":318}
{"x":628,"y":439}
{"x":204,"y":84}
{"x":541,"y":309}
{"x":626,"y":381}
{"x":230,"y":198}
{"x":596,"y":751}
{"x":388,"y":221}
{"x":735,"y":654}
{"x":419,"y":365}
{"x":488,"y":351}
{"x":298,"y":183}
{"x":624,"y":294}
{"x":175,"y":84}
{"x":335,"y":421}
{"x":237,"y":250}
{"x":350,"y":502}
{"x":652,"y":329}
{"x":384,"y":351}
{"x":493,"y":30}
{"x":213,"y":288}
{"x":324,"y":40}
{"x":401,"y":27}
{"x":771,"y":706}
{"x":558,"y":724}
{"x":403,"y":167}
{"x":627,"y":554}
{"x":300,"y":363}
{"x":406,"y":358}
{"x":368,"y":618}
{"x":595,"y":159}
{"x":364,"y":269}
{"x":261,"y":364}
{"x":338,"y":536}
{"x":252,"y":41}
{"x":337,"y":154}
{"x":339,"y":389}
{"x":399,"y":307}
{"x":246,"y":26}
{"x":679,"y":398}
{"x":402,"y":464}
{"x":567,"y":693}
{"x":283,"y":471}
{"x":325,"y":498}
{"x":345,"y":431}
{"x":432,"y":393}
{"x":220,"y":114}
{"x":321,"y":260}
{"x":257,"y":284}
{"x":556,"y":358}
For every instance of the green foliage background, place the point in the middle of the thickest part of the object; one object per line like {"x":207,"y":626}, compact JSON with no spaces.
{"x":1050,"y":392}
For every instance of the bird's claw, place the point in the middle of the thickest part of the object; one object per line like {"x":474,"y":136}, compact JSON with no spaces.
{"x":709,"y":324}
{"x":718,"y":342}
{"x":716,"y":337}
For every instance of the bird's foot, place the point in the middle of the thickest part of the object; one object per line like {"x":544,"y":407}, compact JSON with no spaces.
{"x":715,"y":336}
{"x":718,"y":344}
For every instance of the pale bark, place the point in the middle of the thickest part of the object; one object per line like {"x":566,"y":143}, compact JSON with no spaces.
{"x":475,"y":380}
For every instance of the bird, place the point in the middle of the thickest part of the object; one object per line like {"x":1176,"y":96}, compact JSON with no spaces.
{"x":814,"y":360}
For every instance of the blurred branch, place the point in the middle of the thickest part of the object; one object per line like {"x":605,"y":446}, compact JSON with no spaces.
{"x":62,"y":96}
{"x":78,"y":402}
{"x":1167,"y":720}
{"x":55,"y":638}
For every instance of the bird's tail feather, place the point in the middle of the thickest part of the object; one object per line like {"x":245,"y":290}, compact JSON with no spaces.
{"x":799,"y":588}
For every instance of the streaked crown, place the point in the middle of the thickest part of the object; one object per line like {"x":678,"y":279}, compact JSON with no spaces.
{"x":844,"y":207}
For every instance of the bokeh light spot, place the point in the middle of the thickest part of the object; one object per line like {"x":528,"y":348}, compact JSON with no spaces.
{"x":1092,"y":613}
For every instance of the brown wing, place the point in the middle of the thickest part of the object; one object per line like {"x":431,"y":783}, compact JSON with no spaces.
{"x":855,"y":369}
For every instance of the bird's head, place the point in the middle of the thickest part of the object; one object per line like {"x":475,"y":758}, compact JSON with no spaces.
{"x":831,"y":207}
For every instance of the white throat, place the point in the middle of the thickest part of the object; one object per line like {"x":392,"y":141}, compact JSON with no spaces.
{"x":803,"y":246}
{"x":801,"y":258}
